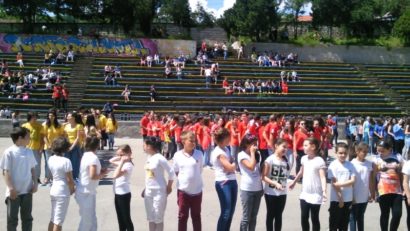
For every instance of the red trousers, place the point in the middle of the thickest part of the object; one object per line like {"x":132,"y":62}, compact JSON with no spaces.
{"x":186,"y":203}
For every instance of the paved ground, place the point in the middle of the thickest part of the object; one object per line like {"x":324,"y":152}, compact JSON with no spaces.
{"x":210,"y":207}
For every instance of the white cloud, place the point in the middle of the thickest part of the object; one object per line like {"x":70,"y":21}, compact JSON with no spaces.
{"x":217,"y":12}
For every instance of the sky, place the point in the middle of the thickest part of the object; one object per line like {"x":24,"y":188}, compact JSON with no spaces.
{"x":219,"y":6}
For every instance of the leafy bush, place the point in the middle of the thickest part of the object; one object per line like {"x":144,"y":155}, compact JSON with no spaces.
{"x":402,"y":26}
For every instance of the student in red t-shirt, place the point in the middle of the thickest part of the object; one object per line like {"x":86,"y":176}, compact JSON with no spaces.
{"x":197,"y":129}
{"x":206,"y":141}
{"x":299,"y":137}
{"x":287,"y":133}
{"x":263,"y":145}
{"x":234,"y":130}
{"x":253,"y":126}
{"x":143,"y":125}
{"x":177,"y":133}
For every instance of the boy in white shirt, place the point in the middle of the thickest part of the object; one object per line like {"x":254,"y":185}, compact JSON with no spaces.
{"x":90,"y":175}
{"x":342,"y":175}
{"x":156,"y":187}
{"x":188,"y":164}
{"x":18,"y":165}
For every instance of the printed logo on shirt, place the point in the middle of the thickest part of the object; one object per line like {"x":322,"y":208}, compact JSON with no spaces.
{"x":278,"y":174}
{"x":148,"y":172}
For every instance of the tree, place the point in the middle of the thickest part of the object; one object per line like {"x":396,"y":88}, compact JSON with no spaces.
{"x":402,"y":26}
{"x":121,"y":12}
{"x":145,"y":13}
{"x":179,"y":11}
{"x":251,"y":18}
{"x":203,"y":18}
{"x":26,"y":10}
{"x":331,"y":13}
{"x":295,"y":7}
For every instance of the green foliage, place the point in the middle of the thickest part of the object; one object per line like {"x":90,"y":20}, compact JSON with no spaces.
{"x":402,"y":26}
{"x":203,"y":18}
{"x":307,"y":39}
{"x":295,"y":7}
{"x":179,"y":11}
{"x":251,"y":18}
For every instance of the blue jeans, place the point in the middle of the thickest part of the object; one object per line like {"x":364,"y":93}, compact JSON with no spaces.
{"x":234,"y":155}
{"x":366,"y":138}
{"x":75,"y":157}
{"x":227,"y":194}
{"x":357,"y":216}
{"x":207,"y":153}
{"x":225,"y":55}
{"x":47,"y":155}
{"x":110,"y":140}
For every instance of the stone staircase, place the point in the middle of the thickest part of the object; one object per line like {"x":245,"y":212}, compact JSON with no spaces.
{"x":77,"y":83}
{"x":390,"y":93}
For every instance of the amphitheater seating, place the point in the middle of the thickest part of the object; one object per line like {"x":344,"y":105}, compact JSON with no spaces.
{"x":396,"y":76}
{"x":40,"y":98}
{"x":325,"y":88}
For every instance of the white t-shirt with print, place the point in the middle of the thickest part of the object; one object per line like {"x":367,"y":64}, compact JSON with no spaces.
{"x":312,"y":186}
{"x":250,"y":180}
{"x":19,"y":161}
{"x":406,"y":169}
{"x":279,"y":172}
{"x":59,"y":167}
{"x":154,"y":172}
{"x":220,"y":173}
{"x":361,"y":191}
{"x":86,"y":184}
{"x":189,"y":169}
{"x":122,"y":184}
{"x":342,"y":172}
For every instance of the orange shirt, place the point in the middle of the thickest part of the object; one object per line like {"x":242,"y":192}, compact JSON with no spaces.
{"x":262,"y":142}
{"x":144,"y":123}
{"x":299,"y":138}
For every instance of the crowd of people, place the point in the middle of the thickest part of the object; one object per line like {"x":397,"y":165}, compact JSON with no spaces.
{"x":19,"y":84}
{"x":60,"y":57}
{"x":263,"y":150}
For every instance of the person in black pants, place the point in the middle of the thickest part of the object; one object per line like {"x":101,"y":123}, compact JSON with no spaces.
{"x":122,"y":175}
{"x":342,"y":175}
{"x":275,"y":174}
{"x":389,"y":186}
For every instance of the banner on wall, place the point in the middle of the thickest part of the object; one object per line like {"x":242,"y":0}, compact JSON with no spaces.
{"x":96,"y":46}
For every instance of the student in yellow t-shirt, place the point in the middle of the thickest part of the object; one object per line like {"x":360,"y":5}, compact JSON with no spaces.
{"x":111,"y":129}
{"x":36,"y":139}
{"x":102,"y":121}
{"x":52,"y":129}
{"x":75,"y":133}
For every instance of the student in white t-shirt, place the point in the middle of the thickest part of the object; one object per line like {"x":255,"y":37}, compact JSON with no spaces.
{"x":314,"y":184}
{"x":90,"y":175}
{"x":63,"y":183}
{"x":18,"y":165}
{"x":342,"y":176}
{"x":188,"y":163}
{"x":276,"y":171}
{"x":121,"y":185}
{"x":225,"y":178}
{"x":251,"y":182}
{"x":406,"y":187}
{"x":156,"y":187}
{"x":363,"y":188}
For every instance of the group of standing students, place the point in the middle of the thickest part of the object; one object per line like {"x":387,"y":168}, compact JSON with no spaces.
{"x":352,"y":183}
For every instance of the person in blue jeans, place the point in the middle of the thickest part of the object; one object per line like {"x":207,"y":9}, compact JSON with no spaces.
{"x":225,"y":179}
